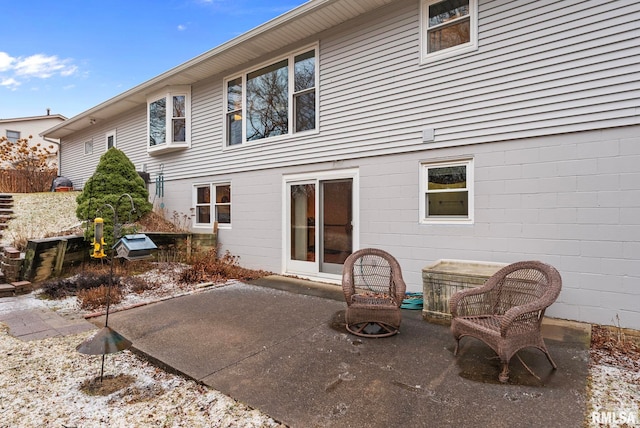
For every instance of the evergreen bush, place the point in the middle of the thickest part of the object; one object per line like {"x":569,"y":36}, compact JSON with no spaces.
{"x":115,"y":176}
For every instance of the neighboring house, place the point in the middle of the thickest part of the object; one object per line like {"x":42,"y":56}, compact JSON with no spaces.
{"x":24,"y":127}
{"x":457,"y":129}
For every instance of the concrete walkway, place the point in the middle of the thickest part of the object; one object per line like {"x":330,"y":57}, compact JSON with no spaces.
{"x":30,"y":319}
{"x":287,"y":354}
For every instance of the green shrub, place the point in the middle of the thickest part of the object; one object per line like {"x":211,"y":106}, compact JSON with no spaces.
{"x":115,"y":175}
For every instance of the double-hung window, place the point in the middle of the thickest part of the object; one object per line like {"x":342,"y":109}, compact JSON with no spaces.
{"x":212,"y":204}
{"x":448,"y":27}
{"x":169,"y":120}
{"x":275,"y":100}
{"x":447,"y":192}
{"x":13,"y":136}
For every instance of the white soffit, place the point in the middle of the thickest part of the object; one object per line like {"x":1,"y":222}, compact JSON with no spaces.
{"x":300,"y":23}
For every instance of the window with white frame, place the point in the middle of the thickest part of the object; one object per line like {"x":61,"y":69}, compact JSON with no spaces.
{"x":276,"y":99}
{"x":88,"y":147}
{"x":212,"y":204}
{"x":111,"y":139}
{"x":13,"y":136}
{"x":447,"y":192}
{"x":448,"y":27}
{"x":169,"y":120}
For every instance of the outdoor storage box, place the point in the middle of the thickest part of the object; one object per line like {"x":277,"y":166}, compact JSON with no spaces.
{"x":444,"y":278}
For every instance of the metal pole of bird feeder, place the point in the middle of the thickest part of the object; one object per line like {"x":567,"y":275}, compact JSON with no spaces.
{"x":108,"y":336}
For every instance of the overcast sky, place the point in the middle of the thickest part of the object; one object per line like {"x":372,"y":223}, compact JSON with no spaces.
{"x":71,"y":55}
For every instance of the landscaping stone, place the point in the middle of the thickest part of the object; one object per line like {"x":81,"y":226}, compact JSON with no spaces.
{"x":22,"y":287}
{"x":7,"y":290}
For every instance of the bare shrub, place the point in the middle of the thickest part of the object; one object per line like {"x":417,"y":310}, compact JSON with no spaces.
{"x":157,"y":221}
{"x":62,"y":288}
{"x":95,"y":298}
{"x":210,"y":267}
{"x":26,"y":167}
{"x":139,"y":285}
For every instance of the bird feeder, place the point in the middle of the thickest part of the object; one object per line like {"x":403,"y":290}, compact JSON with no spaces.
{"x":134,"y":247}
{"x":98,"y":239}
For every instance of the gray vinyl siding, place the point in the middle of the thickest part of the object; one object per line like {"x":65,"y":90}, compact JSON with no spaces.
{"x":131,"y":137}
{"x":547,"y":107}
{"x":535,"y":73}
{"x":541,"y":68}
{"x":571,"y":200}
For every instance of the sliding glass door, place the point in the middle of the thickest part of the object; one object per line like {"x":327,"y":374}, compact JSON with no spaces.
{"x":320,"y":223}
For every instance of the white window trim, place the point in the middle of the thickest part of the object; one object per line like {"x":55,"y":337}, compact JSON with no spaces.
{"x":88,"y":145}
{"x":315,"y":177}
{"x":14,"y":132}
{"x":168,"y":94}
{"x":106,"y":139}
{"x":472,"y":45}
{"x":212,"y":205}
{"x":469,"y":219}
{"x":243,"y":75}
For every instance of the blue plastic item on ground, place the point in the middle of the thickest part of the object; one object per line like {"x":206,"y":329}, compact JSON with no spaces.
{"x":413,"y":301}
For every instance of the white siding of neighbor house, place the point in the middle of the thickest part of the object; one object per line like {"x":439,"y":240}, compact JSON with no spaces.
{"x":571,"y":200}
{"x":33,"y":126}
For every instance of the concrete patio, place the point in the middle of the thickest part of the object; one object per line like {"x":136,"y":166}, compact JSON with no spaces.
{"x":279,"y":345}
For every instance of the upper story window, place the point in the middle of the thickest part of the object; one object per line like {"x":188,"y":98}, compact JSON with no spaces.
{"x":13,"y":136}
{"x":277,"y":99}
{"x":448,"y":27}
{"x":169,"y":120}
{"x":447,"y":192}
{"x":111,"y":139}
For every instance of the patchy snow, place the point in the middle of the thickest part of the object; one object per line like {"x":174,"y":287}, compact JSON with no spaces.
{"x":41,"y":384}
{"x":41,"y":381}
{"x":38,"y":214}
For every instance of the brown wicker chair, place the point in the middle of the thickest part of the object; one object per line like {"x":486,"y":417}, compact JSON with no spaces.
{"x":374,"y":290}
{"x":506,"y":312}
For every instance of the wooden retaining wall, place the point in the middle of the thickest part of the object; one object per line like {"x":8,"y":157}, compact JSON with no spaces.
{"x":50,"y":257}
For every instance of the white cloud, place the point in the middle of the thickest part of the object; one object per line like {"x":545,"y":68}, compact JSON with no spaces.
{"x":182,"y":27}
{"x":5,"y":61}
{"x":16,"y":70}
{"x":10,"y":83}
{"x":43,"y":66}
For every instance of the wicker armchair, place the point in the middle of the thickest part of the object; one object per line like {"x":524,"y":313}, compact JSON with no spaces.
{"x":374,"y":290}
{"x":506,"y":312}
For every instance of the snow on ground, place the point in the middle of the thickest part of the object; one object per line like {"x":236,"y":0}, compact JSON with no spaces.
{"x":41,"y":382}
{"x":48,"y":383}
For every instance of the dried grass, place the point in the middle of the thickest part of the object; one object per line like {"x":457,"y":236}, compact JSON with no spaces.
{"x":612,"y":346}
{"x":98,"y":297}
{"x":209,"y":267}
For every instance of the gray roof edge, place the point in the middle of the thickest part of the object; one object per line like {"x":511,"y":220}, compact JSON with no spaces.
{"x":25,"y":118}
